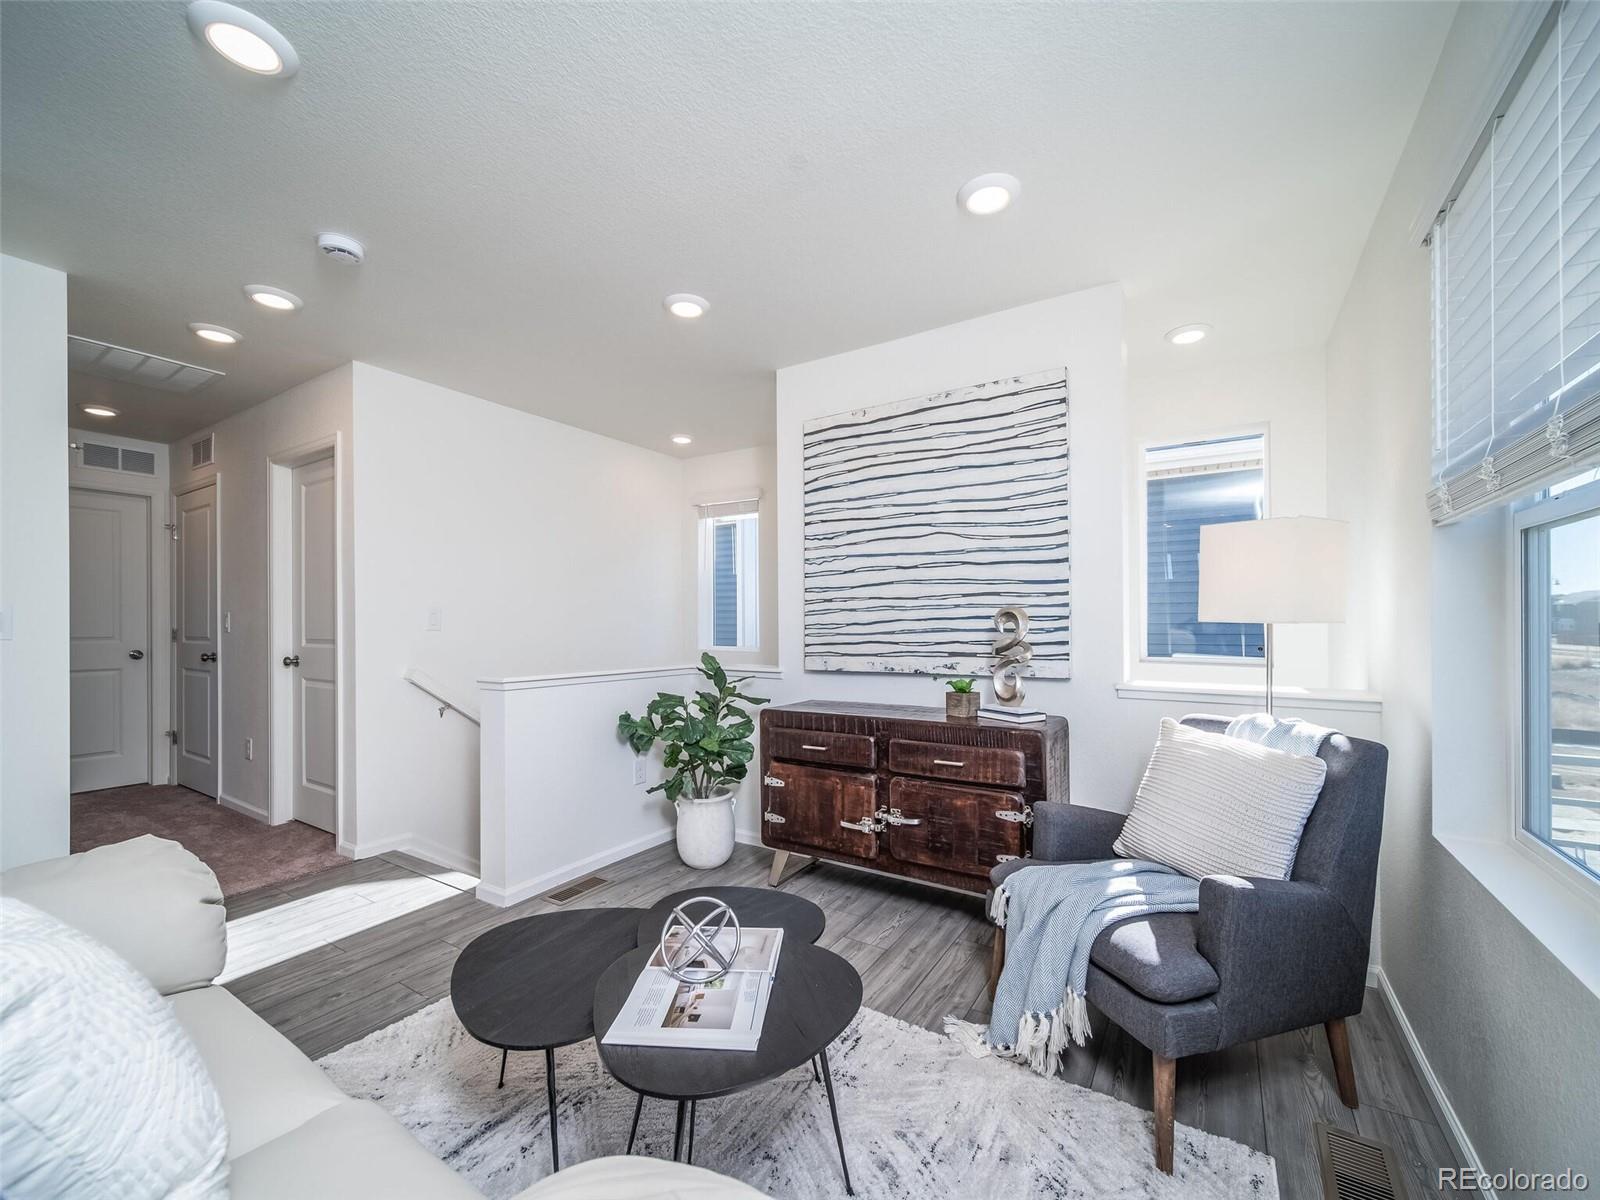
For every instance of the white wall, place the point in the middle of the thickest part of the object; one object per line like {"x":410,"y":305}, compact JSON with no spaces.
{"x":1110,"y":737}
{"x":34,"y":714}
{"x":318,"y":410}
{"x":157,"y":489}
{"x":1198,"y":393}
{"x":723,"y":475}
{"x":1510,"y":1032}
{"x":544,"y":549}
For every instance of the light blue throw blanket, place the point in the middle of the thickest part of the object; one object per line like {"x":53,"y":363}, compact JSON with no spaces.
{"x":1056,"y":911}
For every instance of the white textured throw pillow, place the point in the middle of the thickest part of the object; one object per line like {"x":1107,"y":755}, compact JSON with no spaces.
{"x":1216,"y":805}
{"x":101,"y":1091}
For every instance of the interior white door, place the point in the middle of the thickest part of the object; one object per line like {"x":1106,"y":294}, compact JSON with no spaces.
{"x":109,"y":539}
{"x":314,"y":657}
{"x":196,"y":649}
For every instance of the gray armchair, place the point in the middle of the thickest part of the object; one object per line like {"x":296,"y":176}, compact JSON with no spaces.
{"x":1261,"y":956}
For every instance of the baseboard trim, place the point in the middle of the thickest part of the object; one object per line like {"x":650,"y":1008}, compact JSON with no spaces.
{"x":1456,"y":1131}
{"x":419,"y":847}
{"x":239,"y":806}
{"x":505,"y":897}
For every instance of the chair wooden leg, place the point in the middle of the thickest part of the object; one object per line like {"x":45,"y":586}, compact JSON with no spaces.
{"x":1344,"y":1070}
{"x":997,"y":960}
{"x":1166,"y":1083}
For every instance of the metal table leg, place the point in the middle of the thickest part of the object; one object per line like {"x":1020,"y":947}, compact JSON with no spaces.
{"x":550,"y":1091}
{"x":677,"y":1138}
{"x":634,"y":1132}
{"x":689,"y":1158}
{"x":504,"y":1054}
{"x":833,"y":1110}
{"x":816,"y":1076}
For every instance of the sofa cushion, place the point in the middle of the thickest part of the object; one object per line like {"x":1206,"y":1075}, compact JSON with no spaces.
{"x":353,"y":1151}
{"x":1156,"y":956}
{"x":1210,"y":804}
{"x":148,"y":899}
{"x":101,"y":1094}
{"x":268,"y":1088}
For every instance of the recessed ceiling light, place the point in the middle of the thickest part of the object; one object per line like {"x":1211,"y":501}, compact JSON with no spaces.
{"x":686,"y":305}
{"x":1188,"y":335}
{"x":270,"y":297}
{"x":98,"y":410}
{"x":214,"y":333}
{"x":243,"y":38}
{"x":681,"y":439}
{"x":988,"y":194}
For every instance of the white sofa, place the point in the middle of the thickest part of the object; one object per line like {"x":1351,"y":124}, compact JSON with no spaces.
{"x":291,"y":1133}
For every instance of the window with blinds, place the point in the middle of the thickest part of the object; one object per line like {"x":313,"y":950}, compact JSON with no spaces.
{"x":1516,"y":286}
{"x":1187,"y":486}
{"x":729,"y":568}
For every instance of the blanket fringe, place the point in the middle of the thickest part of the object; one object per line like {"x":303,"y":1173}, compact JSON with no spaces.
{"x":998,"y":904}
{"x":971,"y":1037}
{"x":1042,"y":1037}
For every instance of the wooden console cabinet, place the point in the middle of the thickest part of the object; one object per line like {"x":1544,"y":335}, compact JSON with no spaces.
{"x":904,"y":789}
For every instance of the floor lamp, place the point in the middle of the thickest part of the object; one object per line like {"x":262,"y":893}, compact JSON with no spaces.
{"x":1282,"y":570}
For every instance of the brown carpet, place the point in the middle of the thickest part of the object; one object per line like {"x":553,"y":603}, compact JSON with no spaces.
{"x":244,"y":853}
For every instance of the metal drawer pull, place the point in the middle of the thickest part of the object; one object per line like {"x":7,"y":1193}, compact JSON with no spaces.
{"x":772,"y":781}
{"x":865,"y":825}
{"x":947,"y":762}
{"x":893,"y":817}
{"x":772,"y":818}
{"x":803,"y":746}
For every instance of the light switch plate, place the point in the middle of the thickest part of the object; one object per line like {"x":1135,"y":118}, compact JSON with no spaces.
{"x":227,"y":622}
{"x":249,"y":749}
{"x":435,"y":618}
{"x":638,"y":770}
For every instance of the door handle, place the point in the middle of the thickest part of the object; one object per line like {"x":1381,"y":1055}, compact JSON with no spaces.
{"x":136,"y":654}
{"x":208,"y":658}
{"x":893,"y":817}
{"x":291,"y":660}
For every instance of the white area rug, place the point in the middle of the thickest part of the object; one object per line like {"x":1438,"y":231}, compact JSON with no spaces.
{"x":920,"y":1118}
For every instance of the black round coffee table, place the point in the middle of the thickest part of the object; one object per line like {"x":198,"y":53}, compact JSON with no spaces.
{"x":815,"y":995}
{"x":529,"y":984}
{"x":799,"y":919}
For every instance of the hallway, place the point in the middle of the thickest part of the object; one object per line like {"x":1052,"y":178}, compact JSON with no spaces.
{"x":244,"y":853}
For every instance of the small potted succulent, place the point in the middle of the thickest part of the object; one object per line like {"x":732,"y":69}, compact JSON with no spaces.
{"x":707,"y":751}
{"x":961,"y":700}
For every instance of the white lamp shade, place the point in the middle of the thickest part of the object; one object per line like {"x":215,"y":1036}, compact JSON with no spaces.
{"x":1278,"y":571}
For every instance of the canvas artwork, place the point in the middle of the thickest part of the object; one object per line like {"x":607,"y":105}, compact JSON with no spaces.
{"x":923,"y":517}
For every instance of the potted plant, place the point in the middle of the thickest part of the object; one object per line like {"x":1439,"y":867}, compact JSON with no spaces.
{"x":707,"y":750}
{"x":961,"y":700}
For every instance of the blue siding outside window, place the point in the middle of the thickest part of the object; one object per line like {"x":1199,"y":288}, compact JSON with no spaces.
{"x":1176,"y":506}
{"x":725,"y":584}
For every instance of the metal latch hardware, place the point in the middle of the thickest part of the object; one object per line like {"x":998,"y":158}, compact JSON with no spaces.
{"x":1000,"y":858}
{"x":772,"y":818}
{"x":1024,"y":817}
{"x":865,"y":825}
{"x":892,"y":817}
{"x":772,"y":781}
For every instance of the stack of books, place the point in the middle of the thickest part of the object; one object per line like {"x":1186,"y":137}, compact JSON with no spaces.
{"x":1016,"y":716}
{"x":723,"y":1014}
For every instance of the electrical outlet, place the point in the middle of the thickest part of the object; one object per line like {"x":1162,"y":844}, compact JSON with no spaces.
{"x":638,"y":770}
{"x":249,"y":749}
{"x":435,"y":618}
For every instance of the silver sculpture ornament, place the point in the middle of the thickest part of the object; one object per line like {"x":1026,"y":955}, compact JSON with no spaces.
{"x":699,"y":941}
{"x":1013,"y":652}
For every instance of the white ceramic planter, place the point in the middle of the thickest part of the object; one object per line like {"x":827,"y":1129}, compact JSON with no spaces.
{"x":705,"y":830}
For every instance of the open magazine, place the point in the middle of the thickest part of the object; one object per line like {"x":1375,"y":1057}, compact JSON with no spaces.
{"x":724,"y":1014}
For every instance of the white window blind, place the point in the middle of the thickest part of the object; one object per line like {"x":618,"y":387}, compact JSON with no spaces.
{"x":1516,"y":283}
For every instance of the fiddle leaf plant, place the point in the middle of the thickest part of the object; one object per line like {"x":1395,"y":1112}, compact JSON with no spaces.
{"x":705,"y":741}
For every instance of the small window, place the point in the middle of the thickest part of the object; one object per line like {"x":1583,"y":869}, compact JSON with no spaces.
{"x":729,"y":568}
{"x":1186,"y":486}
{"x":1560,"y":547}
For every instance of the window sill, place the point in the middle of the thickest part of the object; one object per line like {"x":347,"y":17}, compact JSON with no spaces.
{"x":1249,"y":694}
{"x":1559,"y":914}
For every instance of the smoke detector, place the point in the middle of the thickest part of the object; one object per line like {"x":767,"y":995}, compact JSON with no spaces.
{"x":341,"y":248}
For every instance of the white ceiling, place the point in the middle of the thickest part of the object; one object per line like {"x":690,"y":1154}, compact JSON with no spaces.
{"x":531,"y":179}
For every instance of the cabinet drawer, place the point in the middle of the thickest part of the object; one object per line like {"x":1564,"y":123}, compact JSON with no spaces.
{"x":970,"y":764}
{"x":812,"y":804}
{"x":944,"y":825}
{"x":835,"y":749}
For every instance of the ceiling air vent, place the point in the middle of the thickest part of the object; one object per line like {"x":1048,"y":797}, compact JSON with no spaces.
{"x":118,"y":458}
{"x":202,"y":451}
{"x":1357,"y":1168}
{"x":135,"y":366}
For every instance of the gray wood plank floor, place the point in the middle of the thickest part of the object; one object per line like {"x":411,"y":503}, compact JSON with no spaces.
{"x":331,"y":958}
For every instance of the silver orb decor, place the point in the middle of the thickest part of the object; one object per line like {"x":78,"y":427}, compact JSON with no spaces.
{"x":1012,"y":651}
{"x":697,"y":958}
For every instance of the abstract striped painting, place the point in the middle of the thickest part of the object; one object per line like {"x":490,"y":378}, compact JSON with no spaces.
{"x":924,"y":516}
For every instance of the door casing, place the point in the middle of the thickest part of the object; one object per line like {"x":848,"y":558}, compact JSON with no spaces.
{"x":219,"y":666}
